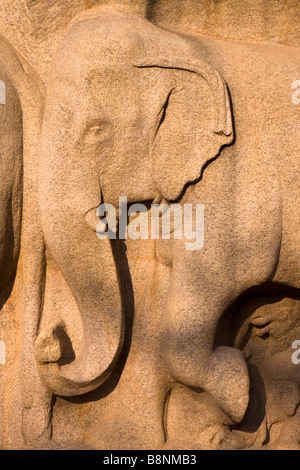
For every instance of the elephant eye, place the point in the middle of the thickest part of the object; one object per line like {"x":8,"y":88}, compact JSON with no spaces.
{"x":99,"y":130}
{"x":96,"y":129}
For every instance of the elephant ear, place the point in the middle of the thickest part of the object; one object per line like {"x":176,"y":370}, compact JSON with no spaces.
{"x":193,"y":124}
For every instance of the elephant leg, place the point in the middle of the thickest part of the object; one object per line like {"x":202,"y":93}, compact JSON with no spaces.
{"x":132,"y":416}
{"x":194,"y":309}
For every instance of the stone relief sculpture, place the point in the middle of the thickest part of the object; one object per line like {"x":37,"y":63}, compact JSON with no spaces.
{"x":156,"y":345}
{"x":21,"y":112}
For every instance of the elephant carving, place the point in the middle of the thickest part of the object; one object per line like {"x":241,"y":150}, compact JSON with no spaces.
{"x":21,"y":103}
{"x":137,"y":111}
{"x":11,"y":164}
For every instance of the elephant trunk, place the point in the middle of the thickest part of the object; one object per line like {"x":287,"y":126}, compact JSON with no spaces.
{"x":71,"y":376}
{"x":68,"y":188}
{"x":88,"y":266}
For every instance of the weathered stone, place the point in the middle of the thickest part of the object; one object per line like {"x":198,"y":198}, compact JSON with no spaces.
{"x":154,"y":340}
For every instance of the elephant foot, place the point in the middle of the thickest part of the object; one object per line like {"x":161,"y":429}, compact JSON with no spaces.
{"x":228,"y":382}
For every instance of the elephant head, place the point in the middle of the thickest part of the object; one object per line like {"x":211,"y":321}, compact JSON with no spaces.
{"x":130,"y":113}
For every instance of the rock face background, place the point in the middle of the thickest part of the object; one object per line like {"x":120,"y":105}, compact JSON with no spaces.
{"x":35,"y":28}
